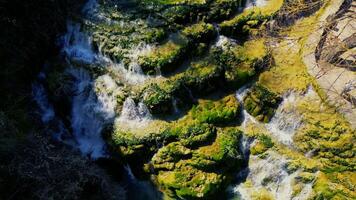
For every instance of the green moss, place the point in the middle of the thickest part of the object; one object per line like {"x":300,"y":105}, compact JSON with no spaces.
{"x":261,"y":103}
{"x":263,"y":143}
{"x":250,"y":19}
{"x":306,"y":177}
{"x":222,"y":9}
{"x":158,"y":100}
{"x":190,"y":183}
{"x":217,"y":112}
{"x":241,"y":63}
{"x":165,"y":58}
{"x":198,"y":173}
{"x":200,"y":32}
{"x":183,"y":12}
{"x":203,"y":76}
{"x":117,"y":40}
{"x":334,"y":186}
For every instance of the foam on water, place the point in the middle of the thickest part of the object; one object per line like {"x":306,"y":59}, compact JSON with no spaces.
{"x":224,"y":42}
{"x":270,"y":173}
{"x":246,"y":117}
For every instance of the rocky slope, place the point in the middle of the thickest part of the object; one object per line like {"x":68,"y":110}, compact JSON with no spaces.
{"x":205,"y":99}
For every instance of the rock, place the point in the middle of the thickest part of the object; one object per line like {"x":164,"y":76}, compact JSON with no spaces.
{"x":224,"y":111}
{"x":261,"y":103}
{"x":164,"y":58}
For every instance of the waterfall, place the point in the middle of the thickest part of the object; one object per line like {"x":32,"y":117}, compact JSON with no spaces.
{"x":95,"y":100}
{"x":90,"y":113}
{"x":138,"y":189}
{"x":287,"y":120}
{"x":269,"y":173}
{"x":133,"y":116}
{"x":77,"y":46}
{"x":246,"y":117}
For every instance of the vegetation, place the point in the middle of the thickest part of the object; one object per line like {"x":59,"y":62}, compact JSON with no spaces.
{"x":261,"y":103}
{"x":166,"y":55}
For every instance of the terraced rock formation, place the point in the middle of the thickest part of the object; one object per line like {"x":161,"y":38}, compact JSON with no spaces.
{"x":205,"y":98}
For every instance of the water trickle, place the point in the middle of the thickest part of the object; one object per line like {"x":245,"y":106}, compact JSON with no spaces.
{"x":286,"y":120}
{"x":138,"y":189}
{"x":246,"y":117}
{"x":224,"y":42}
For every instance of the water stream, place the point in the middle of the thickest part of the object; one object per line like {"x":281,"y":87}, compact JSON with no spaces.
{"x":268,"y":176}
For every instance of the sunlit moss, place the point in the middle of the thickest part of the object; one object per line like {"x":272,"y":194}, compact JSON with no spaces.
{"x":200,"y":32}
{"x":335,"y":186}
{"x":190,"y":182}
{"x":250,"y":19}
{"x":165,"y":58}
{"x":261,"y":103}
{"x":263,"y":143}
{"x":218,"y":112}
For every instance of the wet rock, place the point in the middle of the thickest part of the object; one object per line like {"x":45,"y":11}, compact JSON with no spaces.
{"x":261,"y":103}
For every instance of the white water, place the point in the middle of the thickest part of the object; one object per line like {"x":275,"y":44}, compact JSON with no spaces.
{"x":258,"y":3}
{"x":89,"y":115}
{"x":95,"y":100}
{"x":282,"y":127}
{"x":247,"y":118}
{"x":77,"y":46}
{"x":287,"y":119}
{"x":270,"y":174}
{"x":133,"y":116}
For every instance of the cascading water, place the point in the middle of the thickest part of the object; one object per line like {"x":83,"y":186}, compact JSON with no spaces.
{"x":133,"y":116}
{"x":90,"y":113}
{"x":269,"y":173}
{"x":287,"y":120}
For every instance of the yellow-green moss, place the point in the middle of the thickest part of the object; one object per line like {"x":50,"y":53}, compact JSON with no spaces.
{"x":164,"y":58}
{"x":250,"y":19}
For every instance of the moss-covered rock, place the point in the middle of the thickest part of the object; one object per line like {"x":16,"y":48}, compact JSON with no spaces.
{"x":200,"y":32}
{"x":224,"y":111}
{"x":203,"y":76}
{"x":250,"y":19}
{"x":262,"y":144}
{"x":165,"y":58}
{"x":189,"y":183}
{"x":197,"y":173}
{"x":183,"y":12}
{"x":241,"y":63}
{"x":261,"y":103}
